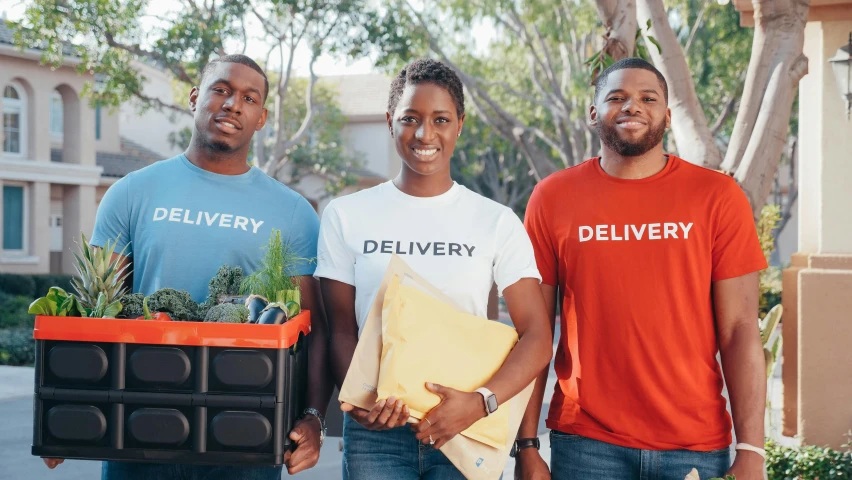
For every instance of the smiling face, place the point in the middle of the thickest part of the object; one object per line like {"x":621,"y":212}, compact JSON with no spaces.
{"x":425,"y":126}
{"x":228,"y":107}
{"x":630,"y":114}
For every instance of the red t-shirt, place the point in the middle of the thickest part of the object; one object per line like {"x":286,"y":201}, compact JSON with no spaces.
{"x":635,"y":261}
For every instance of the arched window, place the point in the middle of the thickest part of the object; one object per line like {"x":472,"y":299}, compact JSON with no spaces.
{"x":14,"y":119}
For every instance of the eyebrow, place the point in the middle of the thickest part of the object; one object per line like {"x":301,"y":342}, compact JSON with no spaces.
{"x":618,"y":90}
{"x":222,"y":80}
{"x":411,"y":110}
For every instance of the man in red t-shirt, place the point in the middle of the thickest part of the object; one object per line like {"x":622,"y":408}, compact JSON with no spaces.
{"x":657,"y":263}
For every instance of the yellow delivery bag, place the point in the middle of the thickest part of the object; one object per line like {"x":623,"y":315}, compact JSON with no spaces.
{"x":474,"y":459}
{"x":425,"y":340}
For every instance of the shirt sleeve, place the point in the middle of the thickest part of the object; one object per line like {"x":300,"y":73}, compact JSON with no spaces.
{"x":736,"y":247}
{"x":335,"y":260}
{"x":535,"y":222}
{"x":112,"y":220}
{"x":304,"y":228}
{"x":514,"y":258}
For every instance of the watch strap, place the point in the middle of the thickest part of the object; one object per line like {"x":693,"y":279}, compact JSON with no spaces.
{"x":523,"y":443}
{"x":487,"y":398}
{"x":315,"y":413}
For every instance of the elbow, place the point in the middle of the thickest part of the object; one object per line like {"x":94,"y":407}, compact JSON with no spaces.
{"x":541,"y":346}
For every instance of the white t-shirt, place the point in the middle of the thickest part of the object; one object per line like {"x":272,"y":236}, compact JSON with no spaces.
{"x":459,"y":241}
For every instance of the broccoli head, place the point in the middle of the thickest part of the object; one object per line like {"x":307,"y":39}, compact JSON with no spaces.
{"x":226,"y":282}
{"x":227,"y":313}
{"x":131,"y":306}
{"x":177,"y":303}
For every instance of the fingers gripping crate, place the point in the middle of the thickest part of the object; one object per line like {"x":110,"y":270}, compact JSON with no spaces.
{"x":160,"y":391}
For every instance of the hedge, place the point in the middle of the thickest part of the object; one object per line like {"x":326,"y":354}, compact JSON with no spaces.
{"x":13,"y":311}
{"x":807,"y":463}
{"x":32,"y":286}
{"x":17,"y":346}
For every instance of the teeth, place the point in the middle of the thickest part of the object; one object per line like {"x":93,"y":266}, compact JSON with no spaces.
{"x":425,"y":152}
{"x":229,"y":124}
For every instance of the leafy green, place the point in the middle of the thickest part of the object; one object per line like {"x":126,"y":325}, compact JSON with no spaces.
{"x":59,"y":303}
{"x":177,"y":303}
{"x":227,"y":313}
{"x":274,"y":278}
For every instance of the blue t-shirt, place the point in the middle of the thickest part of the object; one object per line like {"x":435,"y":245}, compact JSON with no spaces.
{"x":181,"y":223}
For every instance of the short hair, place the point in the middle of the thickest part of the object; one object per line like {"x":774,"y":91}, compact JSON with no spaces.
{"x":630,"y":62}
{"x":427,"y":70}
{"x":242,"y":60}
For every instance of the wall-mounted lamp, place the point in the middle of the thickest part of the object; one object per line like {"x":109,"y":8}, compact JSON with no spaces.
{"x":841,"y":63}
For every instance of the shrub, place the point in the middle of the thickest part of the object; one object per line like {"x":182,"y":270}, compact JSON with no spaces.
{"x":22,"y":285}
{"x":17,"y":346}
{"x":806,"y":463}
{"x":13,"y":311}
{"x":44,"y":282}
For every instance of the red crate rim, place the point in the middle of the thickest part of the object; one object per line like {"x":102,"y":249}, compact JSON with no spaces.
{"x":156,"y":332}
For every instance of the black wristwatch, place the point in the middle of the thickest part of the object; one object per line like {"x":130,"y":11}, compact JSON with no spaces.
{"x":522,"y":443}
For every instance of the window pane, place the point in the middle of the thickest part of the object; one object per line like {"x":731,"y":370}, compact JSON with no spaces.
{"x":10,"y":92}
{"x":56,"y":119}
{"x":13,"y":218}
{"x":98,"y":121}
{"x":12,"y":133}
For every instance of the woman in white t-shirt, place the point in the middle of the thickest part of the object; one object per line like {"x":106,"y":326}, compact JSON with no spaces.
{"x":457,"y":240}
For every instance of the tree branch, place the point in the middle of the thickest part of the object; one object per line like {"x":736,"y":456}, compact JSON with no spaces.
{"x":695,"y":27}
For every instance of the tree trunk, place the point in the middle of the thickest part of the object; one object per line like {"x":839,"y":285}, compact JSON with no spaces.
{"x":777,"y":64}
{"x":619,"y":19}
{"x":693,"y":137}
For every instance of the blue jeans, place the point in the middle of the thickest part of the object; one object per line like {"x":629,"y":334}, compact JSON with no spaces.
{"x":393,"y":454}
{"x":166,"y":471}
{"x":573,"y":457}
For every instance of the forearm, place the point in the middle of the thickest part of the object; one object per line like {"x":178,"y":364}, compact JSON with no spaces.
{"x":530,"y":356}
{"x":342,"y":350}
{"x":529,"y":424}
{"x":745,"y":375}
{"x":320,"y":384}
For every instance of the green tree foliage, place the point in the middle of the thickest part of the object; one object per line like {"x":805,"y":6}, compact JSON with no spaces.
{"x":109,"y":36}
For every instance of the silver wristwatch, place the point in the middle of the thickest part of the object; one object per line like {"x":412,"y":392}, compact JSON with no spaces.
{"x":490,"y":400}
{"x":315,"y":413}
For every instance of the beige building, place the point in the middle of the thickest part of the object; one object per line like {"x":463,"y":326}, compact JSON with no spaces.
{"x":363,"y":99}
{"x":817,"y":296}
{"x":58,"y":158}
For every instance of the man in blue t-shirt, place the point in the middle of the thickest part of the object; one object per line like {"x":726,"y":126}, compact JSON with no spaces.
{"x":183,"y":218}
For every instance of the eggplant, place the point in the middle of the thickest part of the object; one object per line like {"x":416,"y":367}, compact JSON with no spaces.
{"x":273,"y":314}
{"x":255,"y":304}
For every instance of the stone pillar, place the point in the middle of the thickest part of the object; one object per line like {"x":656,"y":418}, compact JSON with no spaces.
{"x":39,"y":233}
{"x":819,"y":331}
{"x":78,"y":216}
{"x":790,"y":347}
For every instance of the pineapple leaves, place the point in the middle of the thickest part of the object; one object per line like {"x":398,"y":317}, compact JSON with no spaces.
{"x":100,"y":274}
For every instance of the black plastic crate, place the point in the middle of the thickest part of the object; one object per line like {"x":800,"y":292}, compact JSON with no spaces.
{"x":223,"y":404}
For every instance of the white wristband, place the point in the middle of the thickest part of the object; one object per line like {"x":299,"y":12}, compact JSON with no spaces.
{"x":752,"y":448}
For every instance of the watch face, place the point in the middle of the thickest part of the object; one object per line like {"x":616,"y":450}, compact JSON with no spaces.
{"x":492,"y":403}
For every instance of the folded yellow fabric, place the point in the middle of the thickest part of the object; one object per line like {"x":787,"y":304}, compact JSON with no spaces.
{"x":426,"y":340}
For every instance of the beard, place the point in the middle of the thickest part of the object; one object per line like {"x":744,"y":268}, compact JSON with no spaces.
{"x":612,"y":140}
{"x":210,"y":143}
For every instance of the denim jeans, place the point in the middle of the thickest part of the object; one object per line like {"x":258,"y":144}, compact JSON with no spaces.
{"x":573,"y":457}
{"x":165,"y":471}
{"x":393,"y":454}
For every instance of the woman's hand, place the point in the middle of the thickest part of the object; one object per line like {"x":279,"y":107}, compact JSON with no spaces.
{"x":384,"y":415}
{"x":456,"y":412}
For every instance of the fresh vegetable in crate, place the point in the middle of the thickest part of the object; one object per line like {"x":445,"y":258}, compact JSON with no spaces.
{"x":274,"y":296}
